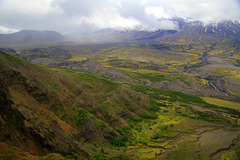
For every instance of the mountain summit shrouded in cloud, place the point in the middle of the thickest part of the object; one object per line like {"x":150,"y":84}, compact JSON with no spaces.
{"x":78,"y":15}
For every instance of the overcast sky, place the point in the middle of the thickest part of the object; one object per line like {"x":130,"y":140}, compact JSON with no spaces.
{"x":67,"y":16}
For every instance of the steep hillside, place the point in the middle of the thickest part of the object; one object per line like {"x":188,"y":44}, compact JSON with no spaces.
{"x":60,"y":111}
{"x":30,"y":37}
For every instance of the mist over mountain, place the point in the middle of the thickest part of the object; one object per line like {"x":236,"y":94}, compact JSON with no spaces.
{"x":187,"y":29}
{"x":30,"y":37}
{"x":197,"y":31}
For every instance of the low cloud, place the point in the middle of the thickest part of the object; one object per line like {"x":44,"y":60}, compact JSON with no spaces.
{"x":7,"y":30}
{"x":78,"y":15}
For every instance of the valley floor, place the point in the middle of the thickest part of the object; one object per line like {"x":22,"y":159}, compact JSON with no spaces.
{"x":122,"y":101}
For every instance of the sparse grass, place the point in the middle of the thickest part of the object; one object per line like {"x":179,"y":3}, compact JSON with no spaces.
{"x":99,"y":83}
{"x":27,"y":107}
{"x":8,"y":152}
{"x":102,"y":125}
{"x":228,"y":156}
{"x":230,"y":73}
{"x":8,"y":156}
{"x":77,"y":58}
{"x":185,"y":152}
{"x":119,"y":63}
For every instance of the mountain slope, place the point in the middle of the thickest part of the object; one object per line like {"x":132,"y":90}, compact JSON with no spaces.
{"x":30,"y":37}
{"x":188,"y":31}
{"x":200,"y":33}
{"x":45,"y":111}
{"x":116,"y":36}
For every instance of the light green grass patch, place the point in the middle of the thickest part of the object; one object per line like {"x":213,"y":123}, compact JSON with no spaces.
{"x":223,"y":103}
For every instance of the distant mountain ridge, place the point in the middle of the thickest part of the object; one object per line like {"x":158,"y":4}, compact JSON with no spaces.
{"x":30,"y":37}
{"x":187,"y":30}
{"x":197,"y":31}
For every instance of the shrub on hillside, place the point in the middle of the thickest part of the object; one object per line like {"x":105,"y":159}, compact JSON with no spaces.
{"x":82,"y":115}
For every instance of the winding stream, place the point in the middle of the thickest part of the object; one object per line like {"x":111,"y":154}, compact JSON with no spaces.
{"x":201,"y":64}
{"x":216,"y":89}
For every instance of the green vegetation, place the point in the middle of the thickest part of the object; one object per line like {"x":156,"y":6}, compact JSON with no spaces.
{"x":51,"y":131}
{"x":149,"y":115}
{"x":175,"y":96}
{"x":82,"y":116}
{"x":238,"y":152}
{"x":120,"y":156}
{"x":27,"y":107}
{"x":101,"y":124}
{"x":106,"y":84}
{"x":152,"y":78}
{"x":126,"y":136}
{"x":8,"y":156}
{"x":135,"y":64}
{"x":223,"y":103}
{"x":186,"y":152}
{"x":73,"y":156}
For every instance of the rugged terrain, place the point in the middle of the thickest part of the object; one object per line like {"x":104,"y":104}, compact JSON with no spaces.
{"x":148,"y":95}
{"x":39,"y":108}
{"x":74,"y":114}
